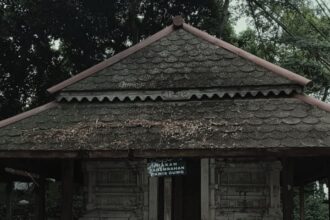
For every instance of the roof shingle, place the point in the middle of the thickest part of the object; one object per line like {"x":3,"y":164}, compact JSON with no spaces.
{"x":176,"y":61}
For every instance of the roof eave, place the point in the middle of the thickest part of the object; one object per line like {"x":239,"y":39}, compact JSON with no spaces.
{"x":313,"y":101}
{"x":27,"y":114}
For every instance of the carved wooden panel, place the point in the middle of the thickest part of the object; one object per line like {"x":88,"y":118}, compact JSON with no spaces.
{"x":246,"y":190}
{"x":116,"y":190}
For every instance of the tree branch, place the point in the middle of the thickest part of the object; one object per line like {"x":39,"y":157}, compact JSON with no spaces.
{"x":272,"y":17}
{"x":325,"y":93}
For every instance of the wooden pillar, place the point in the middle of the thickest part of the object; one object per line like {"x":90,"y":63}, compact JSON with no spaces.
{"x":302,"y":202}
{"x":287,"y":187}
{"x":40,"y":191}
{"x":205,"y":182}
{"x":168,"y":198}
{"x":9,"y":189}
{"x":153,"y":198}
{"x":67,"y":189}
{"x":329,"y":195}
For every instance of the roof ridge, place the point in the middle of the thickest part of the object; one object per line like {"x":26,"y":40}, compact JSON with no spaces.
{"x":27,"y":114}
{"x":313,"y":101}
{"x":242,"y":53}
{"x":112,"y":60}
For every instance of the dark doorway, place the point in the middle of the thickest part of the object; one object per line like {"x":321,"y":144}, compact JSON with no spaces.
{"x":186,"y":195}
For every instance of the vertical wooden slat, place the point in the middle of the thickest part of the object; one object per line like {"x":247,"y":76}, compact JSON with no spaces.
{"x":9,"y":189}
{"x":153,"y":198}
{"x":67,"y":189}
{"x":302,"y":202}
{"x":146,"y":192}
{"x":205,"y":189}
{"x":177,"y":199}
{"x":212,"y":173}
{"x":167,"y":198}
{"x":40,"y":200}
{"x":287,"y":187}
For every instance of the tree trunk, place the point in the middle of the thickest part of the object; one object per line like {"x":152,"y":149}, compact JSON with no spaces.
{"x":132,"y":19}
{"x":224,"y":18}
{"x":325,"y":93}
{"x":40,"y":191}
{"x":9,"y":189}
{"x":302,"y":202}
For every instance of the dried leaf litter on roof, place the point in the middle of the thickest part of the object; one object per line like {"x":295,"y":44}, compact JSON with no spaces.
{"x":223,"y":124}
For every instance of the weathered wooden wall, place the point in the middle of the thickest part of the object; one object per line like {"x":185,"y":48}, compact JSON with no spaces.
{"x":243,"y":189}
{"x":233,"y":189}
{"x":116,"y":190}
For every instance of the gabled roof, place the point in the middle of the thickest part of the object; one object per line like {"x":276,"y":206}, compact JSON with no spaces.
{"x":180,"y":123}
{"x":179,"y":57}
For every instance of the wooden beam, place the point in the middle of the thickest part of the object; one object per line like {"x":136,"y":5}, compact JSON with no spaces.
{"x":205,"y":182}
{"x":168,"y":198}
{"x":310,"y":170}
{"x":287,"y":189}
{"x":153,"y":198}
{"x":67,"y":189}
{"x":22,"y":173}
{"x":40,"y":190}
{"x":302,"y":202}
{"x":264,"y":153}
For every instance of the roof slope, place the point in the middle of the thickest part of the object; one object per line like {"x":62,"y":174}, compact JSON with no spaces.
{"x":219,"y":124}
{"x":177,"y":58}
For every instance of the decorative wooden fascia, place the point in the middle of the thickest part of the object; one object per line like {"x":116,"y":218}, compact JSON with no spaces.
{"x":180,"y":95}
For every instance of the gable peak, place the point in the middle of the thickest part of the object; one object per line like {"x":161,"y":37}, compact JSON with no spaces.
{"x":178,"y":21}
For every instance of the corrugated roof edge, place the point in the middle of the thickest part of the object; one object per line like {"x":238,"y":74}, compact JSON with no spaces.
{"x":313,"y":101}
{"x":112,"y":60}
{"x":27,"y":114}
{"x":242,"y":53}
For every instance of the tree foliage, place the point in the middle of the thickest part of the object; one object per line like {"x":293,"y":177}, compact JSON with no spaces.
{"x":295,"y":34}
{"x":316,"y":206}
{"x":43,"y":42}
